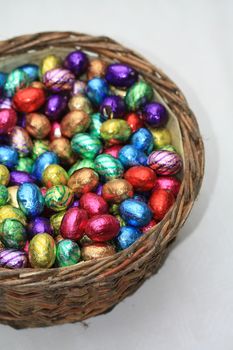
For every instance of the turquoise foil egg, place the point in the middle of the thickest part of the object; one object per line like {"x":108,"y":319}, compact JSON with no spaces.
{"x":16,"y":80}
{"x":32,"y":70}
{"x":97,"y":89}
{"x":96,"y":122}
{"x":30,"y":199}
{"x":86,"y":146}
{"x":3,"y":78}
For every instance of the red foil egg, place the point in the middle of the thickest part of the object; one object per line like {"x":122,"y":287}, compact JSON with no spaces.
{"x":134,"y":121}
{"x":141,"y":178}
{"x":168,"y":183}
{"x":74,"y":223}
{"x":43,"y":191}
{"x":160,"y":202}
{"x":113,"y":151}
{"x":149,"y":226}
{"x":8,"y":118}
{"x":55,"y":132}
{"x":29,"y":99}
{"x":101,"y":228}
{"x":93,"y":204}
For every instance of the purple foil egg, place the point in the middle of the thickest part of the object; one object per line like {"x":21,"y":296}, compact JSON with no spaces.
{"x":79,"y":87}
{"x":58,"y":80}
{"x":18,"y":177}
{"x":112,"y":107}
{"x":99,"y":189}
{"x":55,"y":106}
{"x":39,"y":225}
{"x":77,"y":62}
{"x":121,"y":75}
{"x":155,"y":114}
{"x":13,"y":259}
{"x":21,"y":121}
{"x":165,"y":162}
{"x":5,"y":103}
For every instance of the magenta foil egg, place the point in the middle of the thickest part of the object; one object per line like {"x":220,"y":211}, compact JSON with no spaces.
{"x":168,"y":183}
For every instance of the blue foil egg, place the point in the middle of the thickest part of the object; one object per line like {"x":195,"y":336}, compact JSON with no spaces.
{"x":135,"y":213}
{"x":142,"y":139}
{"x":97,"y":89}
{"x":30,"y":199}
{"x":140,"y":197}
{"x":130,"y":156}
{"x":41,"y":163}
{"x":32,"y":70}
{"x":127,"y":236}
{"x":8,"y":156}
{"x":3,"y":78}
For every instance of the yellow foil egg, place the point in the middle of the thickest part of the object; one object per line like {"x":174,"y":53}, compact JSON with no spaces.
{"x":83,"y":181}
{"x":161,"y":136}
{"x":97,"y":250}
{"x":97,"y":68}
{"x":49,"y":62}
{"x":42,"y":251}
{"x":4,"y":175}
{"x":74,"y":122}
{"x":80,"y":103}
{"x":53,"y":175}
{"x":13,"y":196}
{"x":115,"y":131}
{"x":10,"y":212}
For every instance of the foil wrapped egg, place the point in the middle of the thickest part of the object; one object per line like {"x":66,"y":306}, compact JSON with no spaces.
{"x":83,"y":181}
{"x":80,"y":164}
{"x":160,"y":202}
{"x":112,"y":107}
{"x":134,"y":121}
{"x":13,"y":234}
{"x":42,"y":251}
{"x":55,"y":221}
{"x":4,"y":175}
{"x":41,"y":163}
{"x":21,"y":141}
{"x":58,"y":197}
{"x":165,"y":162}
{"x":93,"y":204}
{"x":141,"y":178}
{"x":38,"y":225}
{"x":4,"y":195}
{"x":49,"y":62}
{"x":62,"y":147}
{"x":97,"y":250}
{"x":37,"y":125}
{"x":10,"y":212}
{"x":30,"y":199}
{"x":101,"y":228}
{"x":53,"y":175}
{"x":170,"y":148}
{"x":96,"y":68}
{"x":32,"y":70}
{"x":77,"y":62}
{"x":73,"y":223}
{"x":13,"y":259}
{"x":121,"y":75}
{"x":37,"y":85}
{"x":142,"y":139}
{"x":55,"y":106}
{"x":79,"y":87}
{"x":115,"y":131}
{"x":131,"y":156}
{"x":97,"y":89}
{"x":113,"y":150}
{"x":29,"y":99}
{"x":58,"y":80}
{"x":108,"y":166}
{"x":155,"y":114}
{"x":80,"y":103}
{"x":25,"y":164}
{"x":127,"y":236}
{"x":95,"y":125}
{"x":12,"y":190}
{"x":8,"y":156}
{"x":168,"y":183}
{"x":149,"y":226}
{"x":74,"y":122}
{"x":39,"y":147}
{"x":16,"y":79}
{"x":55,"y":132}
{"x":138,"y":95}
{"x":162,"y":137}
{"x":3,"y":79}
{"x":68,"y":253}
{"x":86,"y":146}
{"x":117,"y":190}
{"x":5,"y":103}
{"x":8,"y":118}
{"x":135,"y":213}
{"x":18,"y":177}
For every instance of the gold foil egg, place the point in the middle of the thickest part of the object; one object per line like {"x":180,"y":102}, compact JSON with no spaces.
{"x":13,"y":196}
{"x":97,"y":68}
{"x":161,"y":136}
{"x":4,"y":175}
{"x":80,"y":103}
{"x":55,"y":221}
{"x":42,"y":251}
{"x":61,"y":146}
{"x":37,"y":85}
{"x":49,"y":62}
{"x":117,"y":190}
{"x":74,"y":122}
{"x":115,"y":131}
{"x":97,"y":250}
{"x":10,"y":212}
{"x":53,"y":175}
{"x":37,"y":125}
{"x":83,"y":181}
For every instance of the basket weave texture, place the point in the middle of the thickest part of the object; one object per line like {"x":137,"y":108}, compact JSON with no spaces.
{"x":39,"y":297}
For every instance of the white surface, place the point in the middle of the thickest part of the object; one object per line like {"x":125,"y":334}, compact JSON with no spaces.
{"x":189,"y":304}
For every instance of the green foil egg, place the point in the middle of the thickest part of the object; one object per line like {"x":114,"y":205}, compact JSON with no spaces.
{"x":39,"y":147}
{"x":4,"y":195}
{"x":108,"y":167}
{"x":96,"y":122}
{"x":68,"y":253}
{"x":55,"y":221}
{"x":13,"y":234}
{"x":83,"y":163}
{"x":16,"y":80}
{"x":168,"y":148}
{"x":25,"y":164}
{"x":115,"y":131}
{"x":58,"y":198}
{"x":121,"y":221}
{"x":138,"y":94}
{"x":86,"y":146}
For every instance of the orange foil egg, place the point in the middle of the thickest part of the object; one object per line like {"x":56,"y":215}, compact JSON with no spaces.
{"x":37,"y":125}
{"x":29,"y":99}
{"x":141,"y":178}
{"x":134,"y":121}
{"x":97,"y":68}
{"x":83,"y":181}
{"x":74,"y":122}
{"x":117,"y":190}
{"x":160,"y":202}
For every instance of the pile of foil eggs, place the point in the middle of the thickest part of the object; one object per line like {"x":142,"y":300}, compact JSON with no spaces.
{"x":87,"y":165}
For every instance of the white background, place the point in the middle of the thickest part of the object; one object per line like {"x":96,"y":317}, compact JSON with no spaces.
{"x":188,"y":305}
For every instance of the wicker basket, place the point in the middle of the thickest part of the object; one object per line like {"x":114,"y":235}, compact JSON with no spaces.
{"x":38,"y":297}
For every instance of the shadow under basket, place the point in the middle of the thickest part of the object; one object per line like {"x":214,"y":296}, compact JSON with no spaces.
{"x":41,"y":297}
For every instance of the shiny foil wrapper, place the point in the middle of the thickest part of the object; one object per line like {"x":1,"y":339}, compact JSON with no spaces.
{"x":80,"y":164}
{"x":13,"y":259}
{"x":18,"y":177}
{"x":86,"y":146}
{"x":21,"y":141}
{"x":49,"y":62}
{"x":115,"y":131}
{"x":142,"y":139}
{"x":83,"y":181}
{"x":97,"y":251}
{"x":161,"y":136}
{"x":101,"y":228}
{"x":96,"y":68}
{"x":16,"y":80}
{"x":30,"y":199}
{"x":41,"y":163}
{"x":138,"y":94}
{"x":155,"y":114}
{"x":165,"y":162}
{"x":127,"y":236}
{"x":8,"y":118}
{"x":4,"y":175}
{"x":55,"y":132}
{"x":8,"y":156}
{"x":160,"y":202}
{"x":108,"y":166}
{"x":74,"y":223}
{"x":12,"y":190}
{"x":25,"y":164}
{"x":80,"y":103}
{"x":74,"y":122}
{"x":58,"y":198}
{"x":10,"y":212}
{"x":39,"y":147}
{"x":130,"y":156}
{"x":141,"y":178}
{"x":29,"y":99}
{"x":135,"y":213}
{"x":93,"y":204}
{"x":77,"y":62}
{"x":168,"y":183}
{"x":42,"y":251}
{"x":53,"y":175}
{"x":37,"y":125}
{"x":121,"y":75}
{"x":55,"y":221}
{"x":13,"y":234}
{"x":134,"y":121}
{"x":62,"y":147}
{"x":117,"y":190}
{"x":4,"y":195}
{"x":58,"y":80}
{"x":68,"y":253}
